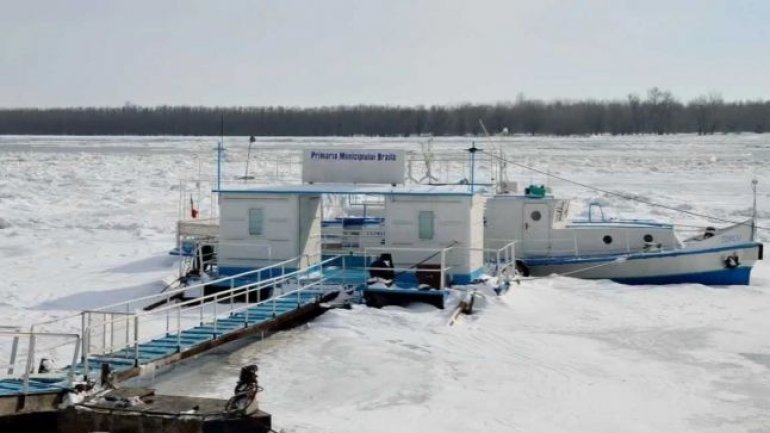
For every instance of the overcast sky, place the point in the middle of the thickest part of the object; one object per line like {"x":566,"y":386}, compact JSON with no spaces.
{"x":330,"y":52}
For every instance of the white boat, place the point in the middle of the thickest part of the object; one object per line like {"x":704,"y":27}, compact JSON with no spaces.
{"x":626,"y":251}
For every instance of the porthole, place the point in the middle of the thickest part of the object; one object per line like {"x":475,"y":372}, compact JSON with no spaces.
{"x":607,"y":239}
{"x":648,"y":238}
{"x":535,"y":215}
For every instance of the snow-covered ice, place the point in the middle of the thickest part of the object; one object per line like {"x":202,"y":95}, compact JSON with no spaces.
{"x":88,"y":221}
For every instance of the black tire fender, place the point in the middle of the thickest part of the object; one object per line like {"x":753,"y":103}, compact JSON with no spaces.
{"x":732,"y":261}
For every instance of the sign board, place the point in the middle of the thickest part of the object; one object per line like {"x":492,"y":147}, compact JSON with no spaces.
{"x":353,"y":166}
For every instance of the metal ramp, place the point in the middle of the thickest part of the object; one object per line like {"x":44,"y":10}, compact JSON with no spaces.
{"x":255,"y":318}
{"x":133,"y":342}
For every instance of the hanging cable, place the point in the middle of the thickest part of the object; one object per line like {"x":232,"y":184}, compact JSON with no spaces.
{"x":618,"y":194}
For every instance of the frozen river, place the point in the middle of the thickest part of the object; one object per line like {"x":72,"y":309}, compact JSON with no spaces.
{"x":87,"y":221}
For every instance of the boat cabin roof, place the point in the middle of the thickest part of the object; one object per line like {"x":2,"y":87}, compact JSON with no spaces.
{"x":313,"y":189}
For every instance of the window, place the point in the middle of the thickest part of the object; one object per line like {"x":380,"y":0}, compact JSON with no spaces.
{"x":648,"y":238}
{"x":425,"y":225}
{"x":607,"y":239}
{"x":256,"y":217}
{"x":535,"y":215}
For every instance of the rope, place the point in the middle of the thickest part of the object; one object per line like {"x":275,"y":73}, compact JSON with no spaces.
{"x":621,"y":195}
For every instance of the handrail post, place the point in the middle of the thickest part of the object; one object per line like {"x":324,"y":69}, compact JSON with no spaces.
{"x":104,"y":330}
{"x":441,"y":275}
{"x":179,"y":329}
{"x":85,"y":341}
{"x":128,"y":329}
{"x":136,"y":341}
{"x":30,"y":359}
{"x":14,"y":350}
{"x":75,"y":355}
{"x":214,"y":319}
{"x":112,"y":332}
{"x":246,"y":313}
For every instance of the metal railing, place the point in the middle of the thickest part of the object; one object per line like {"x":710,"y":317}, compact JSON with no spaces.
{"x":136,"y":327}
{"x":27,"y":356}
{"x":504,"y":257}
{"x":116,"y":330}
{"x":441,"y":252}
{"x":129,"y":305}
{"x":355,"y":241}
{"x":498,"y":259}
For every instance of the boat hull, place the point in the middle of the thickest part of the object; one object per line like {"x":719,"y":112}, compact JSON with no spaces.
{"x":707,"y":266}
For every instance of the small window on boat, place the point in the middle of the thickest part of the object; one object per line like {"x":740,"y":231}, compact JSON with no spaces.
{"x":607,"y":239}
{"x":648,"y":238}
{"x":425,"y":225}
{"x":535,"y":215}
{"x":256,"y":216}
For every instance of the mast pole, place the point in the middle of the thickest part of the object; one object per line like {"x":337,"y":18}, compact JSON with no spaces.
{"x":252,"y":139}
{"x":219,"y":151}
{"x":473,"y":149}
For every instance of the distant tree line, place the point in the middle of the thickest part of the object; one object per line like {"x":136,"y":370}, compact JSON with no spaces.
{"x":658,"y":113}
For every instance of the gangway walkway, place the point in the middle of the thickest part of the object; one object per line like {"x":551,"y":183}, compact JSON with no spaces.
{"x":132,"y":341}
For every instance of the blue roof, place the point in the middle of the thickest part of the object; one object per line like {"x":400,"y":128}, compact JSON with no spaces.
{"x":451,"y":190}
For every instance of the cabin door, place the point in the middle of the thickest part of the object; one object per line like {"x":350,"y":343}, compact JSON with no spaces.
{"x":536,"y":229}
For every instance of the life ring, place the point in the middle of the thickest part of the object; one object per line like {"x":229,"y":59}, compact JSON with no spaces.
{"x":732,"y":261}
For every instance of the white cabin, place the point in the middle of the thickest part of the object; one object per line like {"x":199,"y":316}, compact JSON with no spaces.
{"x":422,"y":224}
{"x":259,"y":227}
{"x":420,"y":221}
{"x":541,"y":227}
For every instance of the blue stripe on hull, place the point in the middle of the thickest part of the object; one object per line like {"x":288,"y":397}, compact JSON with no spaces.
{"x":722,"y":277}
{"x":560,"y":260}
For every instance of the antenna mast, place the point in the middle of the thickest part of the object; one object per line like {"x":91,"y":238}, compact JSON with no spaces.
{"x":246,"y":176}
{"x":473,"y":149}
{"x":219,"y":151}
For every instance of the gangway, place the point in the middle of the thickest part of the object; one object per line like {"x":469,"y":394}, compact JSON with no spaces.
{"x":133,"y":342}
